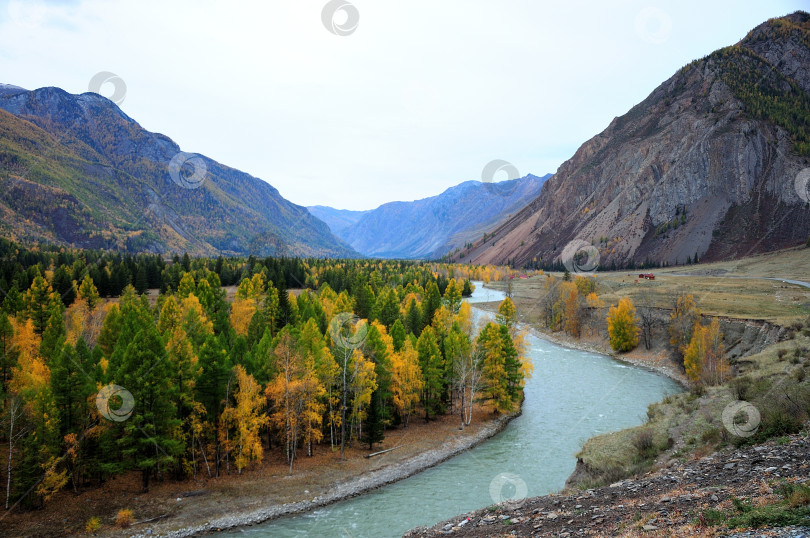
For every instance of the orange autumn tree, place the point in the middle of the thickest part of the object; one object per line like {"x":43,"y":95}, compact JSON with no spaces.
{"x":297,"y":395}
{"x":705,"y":357}
{"x":243,"y":421}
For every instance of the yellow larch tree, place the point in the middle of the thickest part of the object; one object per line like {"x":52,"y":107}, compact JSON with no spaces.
{"x":362,"y":386}
{"x":406,"y":381}
{"x":623,"y":326}
{"x":242,"y":311}
{"x":245,"y":419}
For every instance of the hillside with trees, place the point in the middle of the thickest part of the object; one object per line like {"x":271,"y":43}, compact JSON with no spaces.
{"x":76,"y":171}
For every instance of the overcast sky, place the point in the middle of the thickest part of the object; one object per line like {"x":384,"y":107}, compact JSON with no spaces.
{"x":382,"y":101}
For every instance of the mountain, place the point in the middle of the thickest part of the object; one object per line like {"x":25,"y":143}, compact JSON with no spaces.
{"x":76,"y":170}
{"x":337,"y":219}
{"x":713,"y":162}
{"x":431,"y":227}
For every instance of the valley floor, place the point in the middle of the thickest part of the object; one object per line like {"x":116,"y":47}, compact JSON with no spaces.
{"x":266,"y":492}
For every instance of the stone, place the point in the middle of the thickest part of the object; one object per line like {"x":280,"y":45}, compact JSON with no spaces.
{"x":649,"y":528}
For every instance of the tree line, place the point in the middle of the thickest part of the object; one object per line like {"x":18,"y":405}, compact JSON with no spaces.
{"x":572,"y":305}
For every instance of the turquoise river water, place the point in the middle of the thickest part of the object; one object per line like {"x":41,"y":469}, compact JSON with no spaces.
{"x":573,"y":395}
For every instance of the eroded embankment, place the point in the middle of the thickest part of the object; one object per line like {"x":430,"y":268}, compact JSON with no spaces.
{"x":694,"y":498}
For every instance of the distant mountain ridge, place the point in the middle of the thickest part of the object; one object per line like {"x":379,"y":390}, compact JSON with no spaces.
{"x":76,"y":170}
{"x":433,"y":226}
{"x":337,"y":219}
{"x":714,"y":163}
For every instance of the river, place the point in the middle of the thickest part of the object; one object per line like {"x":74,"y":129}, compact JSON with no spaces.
{"x":572,"y":396}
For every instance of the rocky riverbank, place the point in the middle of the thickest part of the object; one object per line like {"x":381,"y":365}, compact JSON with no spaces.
{"x":349,"y":488}
{"x":698,"y":497}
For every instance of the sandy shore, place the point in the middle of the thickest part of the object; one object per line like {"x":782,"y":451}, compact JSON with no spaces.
{"x":358,"y":485}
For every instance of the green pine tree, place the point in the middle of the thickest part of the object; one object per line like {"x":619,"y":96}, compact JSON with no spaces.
{"x":147,"y":439}
{"x":374,"y":429}
{"x":398,"y":335}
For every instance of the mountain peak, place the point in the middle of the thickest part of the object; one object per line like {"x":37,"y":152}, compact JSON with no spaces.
{"x":10,"y":89}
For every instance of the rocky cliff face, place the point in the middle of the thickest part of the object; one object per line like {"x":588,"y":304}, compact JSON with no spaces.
{"x":711,"y":163}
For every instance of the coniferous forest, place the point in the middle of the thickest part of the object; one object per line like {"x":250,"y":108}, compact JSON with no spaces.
{"x":186,"y":367}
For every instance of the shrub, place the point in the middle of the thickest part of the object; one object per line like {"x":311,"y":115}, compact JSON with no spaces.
{"x":795,"y":494}
{"x":93,"y":524}
{"x":125,"y":518}
{"x":783,"y":413}
{"x":644,"y":442}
